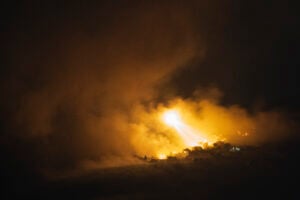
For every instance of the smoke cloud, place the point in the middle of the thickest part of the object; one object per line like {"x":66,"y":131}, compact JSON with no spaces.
{"x":203,"y":114}
{"x":80,"y":83}
{"x":71,"y":90}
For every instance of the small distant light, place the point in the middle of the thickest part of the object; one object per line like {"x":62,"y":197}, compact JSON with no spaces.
{"x":235,"y":149}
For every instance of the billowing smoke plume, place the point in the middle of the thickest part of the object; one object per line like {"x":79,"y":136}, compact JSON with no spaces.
{"x":78,"y":78}
{"x":71,"y":89}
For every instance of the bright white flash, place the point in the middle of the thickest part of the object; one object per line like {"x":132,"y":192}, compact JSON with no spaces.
{"x":172,"y":118}
{"x":190,"y":136}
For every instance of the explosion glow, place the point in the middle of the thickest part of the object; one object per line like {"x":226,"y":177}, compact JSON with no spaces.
{"x":190,"y":136}
{"x":166,"y":130}
{"x":162,"y":156}
{"x":172,"y":118}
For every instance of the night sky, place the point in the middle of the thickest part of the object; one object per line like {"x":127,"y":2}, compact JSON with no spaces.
{"x":71,"y":69}
{"x":250,"y":47}
{"x":252,"y":57}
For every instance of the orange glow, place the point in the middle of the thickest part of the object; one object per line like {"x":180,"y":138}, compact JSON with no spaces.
{"x":168,"y":131}
{"x":162,"y":131}
{"x":189,"y":135}
{"x":162,"y":156}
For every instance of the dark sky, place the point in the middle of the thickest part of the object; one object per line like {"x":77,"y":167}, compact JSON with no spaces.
{"x":253,"y":57}
{"x":71,"y":68}
{"x":250,"y":54}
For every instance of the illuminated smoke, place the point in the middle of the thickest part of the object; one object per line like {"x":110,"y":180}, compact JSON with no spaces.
{"x":183,"y":123}
{"x":73,"y":88}
{"x":87,"y":90}
{"x":190,"y":136}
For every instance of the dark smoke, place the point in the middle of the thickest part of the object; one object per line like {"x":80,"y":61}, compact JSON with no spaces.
{"x":75,"y":73}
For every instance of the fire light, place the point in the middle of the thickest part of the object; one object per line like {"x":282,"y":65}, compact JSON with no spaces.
{"x":162,"y":156}
{"x":190,"y":136}
{"x":172,"y":118}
